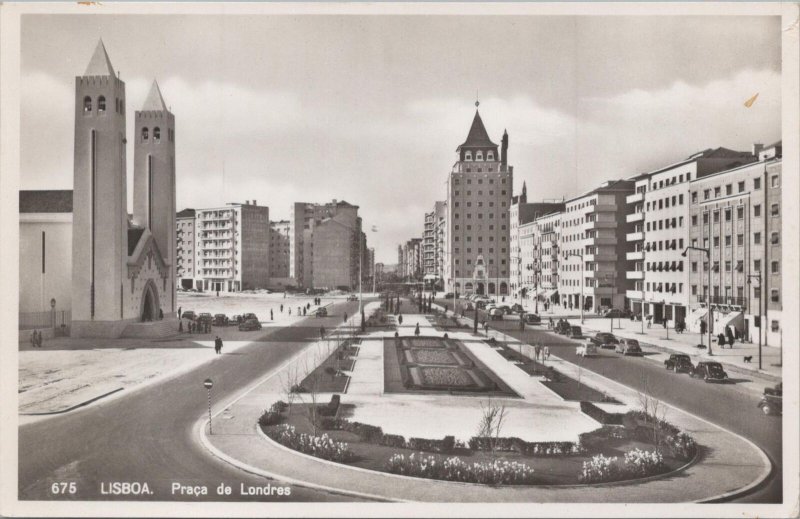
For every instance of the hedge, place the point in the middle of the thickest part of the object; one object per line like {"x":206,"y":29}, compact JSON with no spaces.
{"x":372,"y":434}
{"x":514,"y":444}
{"x":600,"y":415}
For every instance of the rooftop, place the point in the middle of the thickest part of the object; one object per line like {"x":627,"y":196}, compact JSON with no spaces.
{"x":477,"y":137}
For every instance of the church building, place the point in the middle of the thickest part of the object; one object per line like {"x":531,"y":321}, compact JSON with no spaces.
{"x":122,"y":273}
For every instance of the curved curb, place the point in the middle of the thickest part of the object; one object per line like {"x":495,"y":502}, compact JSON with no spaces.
{"x":76,"y":406}
{"x":199,"y":430}
{"x":623,"y":482}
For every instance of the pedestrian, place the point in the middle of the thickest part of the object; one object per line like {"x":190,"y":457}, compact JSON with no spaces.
{"x":216,"y":345}
{"x":40,"y":339}
{"x":536,"y":350}
{"x":304,"y":311}
{"x":179,"y":312}
{"x":281,"y":308}
{"x":416,"y":330}
{"x":160,"y":314}
{"x":33,"y":339}
{"x":180,"y":325}
{"x":271,"y":317}
{"x":321,"y":332}
{"x":721,"y":339}
{"x":664,"y":321}
{"x":290,"y":311}
{"x":345,"y":317}
{"x":400,"y":319}
{"x":547,"y":352}
{"x":220,"y":346}
{"x":649,"y":320}
{"x":308,"y":305}
{"x":298,"y":311}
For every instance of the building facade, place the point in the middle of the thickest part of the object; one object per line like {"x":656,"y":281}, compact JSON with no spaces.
{"x":546,"y":257}
{"x":593,"y":259}
{"x":279,"y":245}
{"x":736,"y":215}
{"x":479,"y":189}
{"x":185,"y":250}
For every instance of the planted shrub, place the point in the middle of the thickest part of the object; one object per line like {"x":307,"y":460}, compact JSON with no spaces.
{"x":643,"y":463}
{"x":594,"y":440}
{"x":637,"y":463}
{"x":600,"y":415}
{"x":319,"y":446}
{"x":514,"y":444}
{"x":682,"y":446}
{"x":393,"y":440}
{"x":600,"y":468}
{"x":269,"y":417}
{"x":331,"y":408}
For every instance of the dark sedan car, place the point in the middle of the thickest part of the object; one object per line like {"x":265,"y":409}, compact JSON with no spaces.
{"x":250,"y":325}
{"x":220,"y":320}
{"x":605,"y":340}
{"x":772,"y":400}
{"x":679,"y":362}
{"x":709,"y":371}
{"x":532,"y":318}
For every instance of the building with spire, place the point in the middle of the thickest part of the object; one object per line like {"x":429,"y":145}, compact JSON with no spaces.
{"x":479,"y":189}
{"x":121,"y":271}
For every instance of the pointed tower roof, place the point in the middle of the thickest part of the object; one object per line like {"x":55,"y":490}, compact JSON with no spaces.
{"x":154,"y":101}
{"x":100,"y":65}
{"x":477,"y":137}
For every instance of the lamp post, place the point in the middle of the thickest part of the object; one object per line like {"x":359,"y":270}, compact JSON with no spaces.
{"x":757,"y":276}
{"x":578,"y":255}
{"x":708,"y":302}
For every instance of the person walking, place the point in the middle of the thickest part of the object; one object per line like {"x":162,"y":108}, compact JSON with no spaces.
{"x":321,"y":332}
{"x":416,"y":330}
{"x":33,"y":339}
{"x":547,"y":353}
{"x":40,"y":339}
{"x":220,"y":346}
{"x":400,"y":319}
{"x":304,"y":310}
{"x":345,"y":317}
{"x":281,"y":307}
{"x":179,"y":312}
{"x":271,"y":317}
{"x":536,"y":351}
{"x":216,"y":345}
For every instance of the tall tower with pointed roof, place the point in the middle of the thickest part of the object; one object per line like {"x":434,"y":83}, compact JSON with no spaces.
{"x":99,"y":237}
{"x":154,"y":175}
{"x":478,"y":203}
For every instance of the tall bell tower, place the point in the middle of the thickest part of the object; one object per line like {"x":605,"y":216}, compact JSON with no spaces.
{"x":154,"y":177}
{"x":99,"y":226}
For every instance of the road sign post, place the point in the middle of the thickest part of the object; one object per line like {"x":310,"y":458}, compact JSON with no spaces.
{"x":208,"y":383}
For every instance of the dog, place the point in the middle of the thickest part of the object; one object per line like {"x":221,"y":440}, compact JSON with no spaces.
{"x":748,"y":358}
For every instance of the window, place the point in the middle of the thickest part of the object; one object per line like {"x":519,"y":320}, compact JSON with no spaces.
{"x":680,"y":199}
{"x":775,"y":210}
{"x":694,"y":220}
{"x":757,"y":265}
{"x":728,"y":214}
{"x":757,"y":292}
{"x":757,"y":210}
{"x":716,"y":241}
{"x":157,"y":134}
{"x":740,"y":212}
{"x":728,"y":240}
{"x":717,"y":192}
{"x":694,"y":266}
{"x":775,"y":295}
{"x":490,"y":155}
{"x":716,"y":216}
{"x":775,"y":238}
{"x":774,"y":182}
{"x":727,"y":266}
{"x":756,"y":183}
{"x":468,"y":156}
{"x":87,"y":105}
{"x":729,"y":189}
{"x":694,"y":197}
{"x":741,"y":187}
{"x":775,"y":267}
{"x":739,"y":240}
{"x":756,"y":238}
{"x":101,"y":104}
{"x":479,"y":155}
{"x":694,"y":290}
{"x":145,"y":133}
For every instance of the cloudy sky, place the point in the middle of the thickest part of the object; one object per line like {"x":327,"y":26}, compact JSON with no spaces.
{"x":370,"y":109}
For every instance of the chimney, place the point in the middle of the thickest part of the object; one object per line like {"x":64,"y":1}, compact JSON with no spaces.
{"x":247,"y":202}
{"x":255,"y":202}
{"x":757,"y":148}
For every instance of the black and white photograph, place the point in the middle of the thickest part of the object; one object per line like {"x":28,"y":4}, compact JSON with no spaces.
{"x":399,"y":259}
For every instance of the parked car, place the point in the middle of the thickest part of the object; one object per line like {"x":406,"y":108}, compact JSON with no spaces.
{"x":236,"y":319}
{"x":586,"y":350}
{"x":532,"y":318}
{"x":772,"y":400}
{"x":679,"y":362}
{"x":449,"y":295}
{"x":574,"y":332}
{"x":189,"y":314}
{"x":496,"y":314}
{"x":481,"y":303}
{"x":517,"y":308}
{"x":628,"y":347}
{"x":352,"y":297}
{"x":562,"y":328}
{"x":322,"y":312}
{"x":505,"y":309}
{"x":709,"y":371}
{"x":220,"y":320}
{"x":613,"y":313}
{"x":245,"y":317}
{"x":605,"y":340}
{"x":204,"y":317}
{"x":249,"y":325}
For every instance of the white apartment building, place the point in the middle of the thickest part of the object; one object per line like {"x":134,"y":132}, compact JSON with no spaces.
{"x":546,"y":257}
{"x":185,"y":257}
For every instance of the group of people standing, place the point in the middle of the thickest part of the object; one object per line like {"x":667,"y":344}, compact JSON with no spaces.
{"x":36,"y":339}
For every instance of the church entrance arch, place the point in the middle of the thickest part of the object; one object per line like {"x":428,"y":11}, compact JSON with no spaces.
{"x":150,"y":305}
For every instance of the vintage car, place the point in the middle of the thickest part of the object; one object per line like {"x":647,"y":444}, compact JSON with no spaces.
{"x":562,"y":327}
{"x":574,"y":332}
{"x":532,"y":318}
{"x":321,"y":312}
{"x":221,"y":320}
{"x":604,"y":340}
{"x":516,"y":308}
{"x":352,"y":297}
{"x":249,"y":325}
{"x":613,"y":313}
{"x":628,"y":347}
{"x":586,"y":350}
{"x":204,"y":317}
{"x":245,"y":317}
{"x":496,"y":314}
{"x":188,"y":314}
{"x":505,"y":309}
{"x":772,"y":400}
{"x":679,"y":362}
{"x":709,"y":371}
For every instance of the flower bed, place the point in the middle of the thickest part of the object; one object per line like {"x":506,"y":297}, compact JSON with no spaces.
{"x":513,"y":444}
{"x":455,"y":469}
{"x":637,"y":463}
{"x":431,"y":356}
{"x":319,"y":446}
{"x":446,"y":377}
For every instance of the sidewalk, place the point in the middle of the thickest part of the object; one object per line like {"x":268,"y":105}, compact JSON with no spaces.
{"x":728,"y":462}
{"x":656,"y":337}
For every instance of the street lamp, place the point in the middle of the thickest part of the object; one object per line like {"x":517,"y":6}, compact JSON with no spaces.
{"x":685,"y":253}
{"x":578,"y":255}
{"x":760,"y":324}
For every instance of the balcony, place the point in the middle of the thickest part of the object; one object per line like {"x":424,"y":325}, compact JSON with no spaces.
{"x":601,"y":208}
{"x":634,"y":217}
{"x":634,"y":274}
{"x":634,"y":236}
{"x":633,"y":294}
{"x":634,"y":198}
{"x":635,"y":255}
{"x":602,"y":240}
{"x":600,"y":274}
{"x":600,"y":257}
{"x":601,"y":225}
{"x":723,"y":300}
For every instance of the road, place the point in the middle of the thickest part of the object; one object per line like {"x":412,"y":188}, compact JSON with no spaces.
{"x":146,"y":437}
{"x":731,"y":406}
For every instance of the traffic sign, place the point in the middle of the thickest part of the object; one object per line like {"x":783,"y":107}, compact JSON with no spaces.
{"x":208,"y":383}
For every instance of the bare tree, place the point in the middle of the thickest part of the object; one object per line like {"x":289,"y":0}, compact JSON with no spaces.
{"x":312,"y":383}
{"x":288,"y":381}
{"x":654,"y":410}
{"x":493,"y":416}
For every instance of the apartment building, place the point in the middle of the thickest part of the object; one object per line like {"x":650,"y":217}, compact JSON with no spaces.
{"x":735,"y":215}
{"x":279,"y":244}
{"x":479,"y":190}
{"x":593,"y":261}
{"x":546,"y":257}
{"x":185,"y":257}
{"x":429,"y":247}
{"x":440,"y":241}
{"x":659,"y":211}
{"x":232,"y":247}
